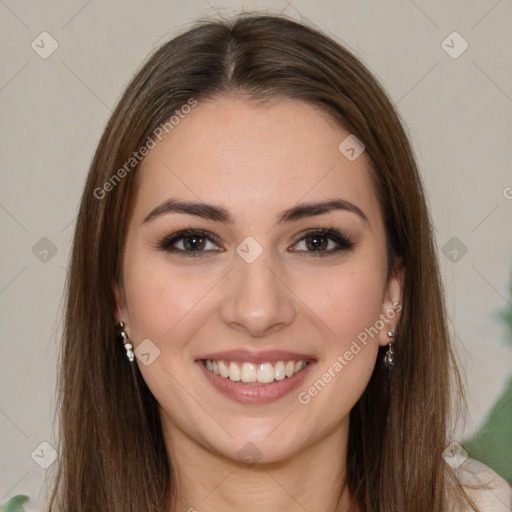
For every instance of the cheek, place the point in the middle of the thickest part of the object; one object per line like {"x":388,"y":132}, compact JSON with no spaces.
{"x":348,"y":301}
{"x":160,"y":297}
{"x":163,"y":304}
{"x":350,"y":307}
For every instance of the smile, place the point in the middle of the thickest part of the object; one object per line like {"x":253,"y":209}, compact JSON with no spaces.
{"x":250,"y":377}
{"x":263,"y":373}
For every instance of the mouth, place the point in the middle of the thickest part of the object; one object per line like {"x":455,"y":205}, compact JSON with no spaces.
{"x":255,"y":374}
{"x":252,"y":378}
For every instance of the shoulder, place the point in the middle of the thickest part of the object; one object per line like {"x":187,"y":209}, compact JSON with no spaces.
{"x":489,"y":491}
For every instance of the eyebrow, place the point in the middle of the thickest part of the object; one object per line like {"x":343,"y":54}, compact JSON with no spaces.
{"x":220,"y":214}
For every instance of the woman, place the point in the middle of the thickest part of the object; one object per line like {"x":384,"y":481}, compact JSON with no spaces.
{"x":255,"y":316}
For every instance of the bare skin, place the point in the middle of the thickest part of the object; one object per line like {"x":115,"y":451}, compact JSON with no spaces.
{"x":256,"y":161}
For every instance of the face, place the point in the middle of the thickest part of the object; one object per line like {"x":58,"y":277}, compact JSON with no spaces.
{"x":254,"y":278}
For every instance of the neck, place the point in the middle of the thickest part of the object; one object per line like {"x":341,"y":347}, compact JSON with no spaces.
{"x":312,"y":479}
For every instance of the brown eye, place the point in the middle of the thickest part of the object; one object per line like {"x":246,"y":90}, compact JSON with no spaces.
{"x":317,"y":243}
{"x":194,"y":243}
{"x":190,"y":243}
{"x":323,"y":242}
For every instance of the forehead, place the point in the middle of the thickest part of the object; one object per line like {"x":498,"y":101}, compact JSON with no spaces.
{"x":254,"y":157}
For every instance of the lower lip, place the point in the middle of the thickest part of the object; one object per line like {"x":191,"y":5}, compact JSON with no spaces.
{"x":255,"y":394}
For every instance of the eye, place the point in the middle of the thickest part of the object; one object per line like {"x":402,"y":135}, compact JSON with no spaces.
{"x":322,"y":242}
{"x":190,"y":242}
{"x":314,"y":242}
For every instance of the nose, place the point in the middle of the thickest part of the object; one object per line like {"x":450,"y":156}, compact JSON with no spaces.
{"x":256,"y":298}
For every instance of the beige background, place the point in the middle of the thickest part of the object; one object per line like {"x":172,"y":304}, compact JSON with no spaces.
{"x":458,"y":111}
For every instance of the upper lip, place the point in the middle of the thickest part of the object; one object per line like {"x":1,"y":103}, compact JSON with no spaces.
{"x":257,"y":357}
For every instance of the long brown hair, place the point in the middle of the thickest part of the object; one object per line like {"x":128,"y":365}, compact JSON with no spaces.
{"x":112,"y":452}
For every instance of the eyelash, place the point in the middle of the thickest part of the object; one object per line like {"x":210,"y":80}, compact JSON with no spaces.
{"x":344,"y":243}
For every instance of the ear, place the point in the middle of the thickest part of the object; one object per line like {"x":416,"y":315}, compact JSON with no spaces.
{"x":392,"y":303}
{"x":121,"y":313}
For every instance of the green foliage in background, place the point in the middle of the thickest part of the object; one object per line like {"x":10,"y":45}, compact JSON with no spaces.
{"x":492,"y":443}
{"x":15,"y":504}
{"x":506,"y":315}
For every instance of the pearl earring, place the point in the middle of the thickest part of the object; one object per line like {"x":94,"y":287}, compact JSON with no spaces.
{"x":127,"y":345}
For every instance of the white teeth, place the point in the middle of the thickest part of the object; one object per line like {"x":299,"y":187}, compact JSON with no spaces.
{"x":248,"y":373}
{"x":224,"y":371}
{"x":299,"y":365}
{"x":279,"y":370}
{"x":234,"y":372}
{"x":263,"y":373}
